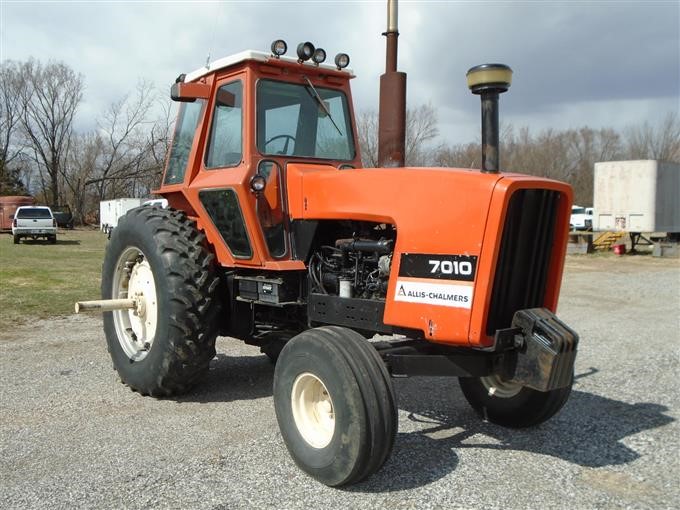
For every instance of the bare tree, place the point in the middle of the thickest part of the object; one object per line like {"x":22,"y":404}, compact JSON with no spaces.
{"x":11,"y":85}
{"x":122,"y":131}
{"x":660,"y":142}
{"x":86,"y":150}
{"x":50,"y":101}
{"x":421,"y":130}
{"x":367,"y":126}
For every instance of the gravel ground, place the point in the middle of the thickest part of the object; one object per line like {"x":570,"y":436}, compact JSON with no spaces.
{"x":73,"y":436}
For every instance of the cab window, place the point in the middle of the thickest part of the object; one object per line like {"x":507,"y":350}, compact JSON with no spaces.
{"x":225,"y":142}
{"x":303,"y":120}
{"x":185,"y":129}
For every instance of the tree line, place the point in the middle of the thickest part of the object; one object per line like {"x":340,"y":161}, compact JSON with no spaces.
{"x":43,"y":154}
{"x":565,"y":155}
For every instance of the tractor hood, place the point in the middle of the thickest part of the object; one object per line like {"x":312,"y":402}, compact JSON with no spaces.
{"x":457,"y":213}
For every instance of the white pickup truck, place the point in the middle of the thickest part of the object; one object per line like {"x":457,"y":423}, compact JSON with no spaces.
{"x":581,"y":218}
{"x":34,"y":222}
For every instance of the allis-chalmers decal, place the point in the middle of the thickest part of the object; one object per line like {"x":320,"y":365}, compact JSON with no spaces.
{"x":445,"y":280}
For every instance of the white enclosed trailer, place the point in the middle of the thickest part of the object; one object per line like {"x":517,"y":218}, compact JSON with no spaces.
{"x":637,"y":196}
{"x":111,"y":210}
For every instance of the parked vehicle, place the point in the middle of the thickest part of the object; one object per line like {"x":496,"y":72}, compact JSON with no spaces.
{"x":9,"y":206}
{"x":63,"y":215}
{"x":156,"y":202}
{"x":34,"y":222}
{"x":277,"y":236}
{"x":111,"y":210}
{"x":581,"y":218}
{"x":637,"y":196}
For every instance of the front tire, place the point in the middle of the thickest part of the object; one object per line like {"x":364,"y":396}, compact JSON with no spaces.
{"x":160,"y":259}
{"x":510,"y":404}
{"x":335,"y":405}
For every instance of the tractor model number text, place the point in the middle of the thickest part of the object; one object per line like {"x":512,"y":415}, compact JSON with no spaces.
{"x":450,"y":267}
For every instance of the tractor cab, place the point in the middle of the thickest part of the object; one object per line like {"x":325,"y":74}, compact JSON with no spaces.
{"x":241,"y":121}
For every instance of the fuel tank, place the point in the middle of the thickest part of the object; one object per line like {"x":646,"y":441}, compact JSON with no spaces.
{"x":471,"y":248}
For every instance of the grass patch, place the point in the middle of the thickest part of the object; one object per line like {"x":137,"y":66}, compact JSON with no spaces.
{"x":40,"y":280}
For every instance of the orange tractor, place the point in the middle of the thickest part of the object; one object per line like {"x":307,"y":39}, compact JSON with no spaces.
{"x":277,"y":236}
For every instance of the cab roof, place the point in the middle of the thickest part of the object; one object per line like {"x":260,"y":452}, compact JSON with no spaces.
{"x":259,"y":56}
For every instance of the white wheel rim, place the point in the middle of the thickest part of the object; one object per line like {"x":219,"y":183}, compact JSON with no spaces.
{"x":497,"y":387}
{"x":313,"y":410}
{"x":133,"y":279}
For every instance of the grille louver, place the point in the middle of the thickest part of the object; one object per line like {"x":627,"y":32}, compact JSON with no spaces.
{"x":524,"y":257}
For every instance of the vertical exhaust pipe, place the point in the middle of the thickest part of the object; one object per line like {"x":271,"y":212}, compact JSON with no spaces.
{"x":488,"y":81}
{"x":392,"y":112}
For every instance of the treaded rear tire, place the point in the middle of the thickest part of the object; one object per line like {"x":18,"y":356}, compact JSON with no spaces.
{"x":16,"y":239}
{"x":526,"y":409}
{"x":363,"y":404}
{"x":187,"y":306}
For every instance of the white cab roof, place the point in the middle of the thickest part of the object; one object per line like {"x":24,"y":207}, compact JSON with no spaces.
{"x":259,"y":56}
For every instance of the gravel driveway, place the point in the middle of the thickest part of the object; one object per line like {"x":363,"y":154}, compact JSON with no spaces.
{"x":73,"y":436}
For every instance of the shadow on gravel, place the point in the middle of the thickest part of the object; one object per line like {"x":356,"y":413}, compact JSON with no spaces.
{"x":588,"y":432}
{"x":234,"y":378}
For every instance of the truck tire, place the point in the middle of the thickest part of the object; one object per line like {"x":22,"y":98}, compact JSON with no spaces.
{"x":510,"y":404}
{"x":52,"y":239}
{"x":335,"y":405}
{"x":164,"y":347}
{"x":16,"y":239}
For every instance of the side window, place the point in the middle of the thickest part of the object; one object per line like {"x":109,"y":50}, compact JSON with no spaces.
{"x":224,"y":211}
{"x":183,"y":139}
{"x":224,"y":144}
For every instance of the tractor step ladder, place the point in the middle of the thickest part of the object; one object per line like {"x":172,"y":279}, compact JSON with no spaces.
{"x":607,"y":240}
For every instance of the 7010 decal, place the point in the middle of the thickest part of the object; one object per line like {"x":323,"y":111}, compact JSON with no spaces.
{"x":438,"y":267}
{"x":450,"y":267}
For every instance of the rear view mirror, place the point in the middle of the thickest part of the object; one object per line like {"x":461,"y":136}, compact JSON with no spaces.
{"x":189,"y":92}
{"x":225,"y":98}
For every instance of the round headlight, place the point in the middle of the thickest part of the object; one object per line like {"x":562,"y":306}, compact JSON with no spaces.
{"x":257,"y":183}
{"x":342,"y":60}
{"x":279,"y":47}
{"x":319,"y":55}
{"x":305,"y":51}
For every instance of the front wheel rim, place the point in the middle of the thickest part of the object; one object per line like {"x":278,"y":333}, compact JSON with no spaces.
{"x":133,"y":279}
{"x":497,"y":387}
{"x":313,"y":410}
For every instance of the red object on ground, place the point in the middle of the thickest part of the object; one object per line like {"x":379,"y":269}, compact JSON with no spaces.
{"x":620,"y":249}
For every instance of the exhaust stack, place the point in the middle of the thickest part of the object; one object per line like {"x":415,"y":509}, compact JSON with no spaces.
{"x":392,"y":112}
{"x":488,"y":81}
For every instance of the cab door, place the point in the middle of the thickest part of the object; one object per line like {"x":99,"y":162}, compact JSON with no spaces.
{"x":221,"y":186}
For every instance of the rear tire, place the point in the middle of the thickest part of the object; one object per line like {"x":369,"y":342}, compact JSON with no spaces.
{"x":52,"y":239}
{"x":16,"y":239}
{"x":510,"y":404}
{"x":335,"y":405}
{"x":160,"y":256}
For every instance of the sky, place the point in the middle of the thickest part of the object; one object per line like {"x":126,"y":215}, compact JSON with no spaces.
{"x":595,"y":63}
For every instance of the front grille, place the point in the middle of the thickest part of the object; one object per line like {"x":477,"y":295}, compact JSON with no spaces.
{"x":524,"y":257}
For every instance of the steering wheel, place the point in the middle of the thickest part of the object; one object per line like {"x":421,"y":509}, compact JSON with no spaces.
{"x":278,"y":137}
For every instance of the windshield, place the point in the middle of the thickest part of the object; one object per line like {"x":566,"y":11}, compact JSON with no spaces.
{"x":34,"y":212}
{"x":304,"y":121}
{"x":578,"y":210}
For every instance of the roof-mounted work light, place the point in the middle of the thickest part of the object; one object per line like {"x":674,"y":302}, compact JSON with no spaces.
{"x":341,"y":60}
{"x":279,"y":47}
{"x":305,"y":51}
{"x":319,"y":56}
